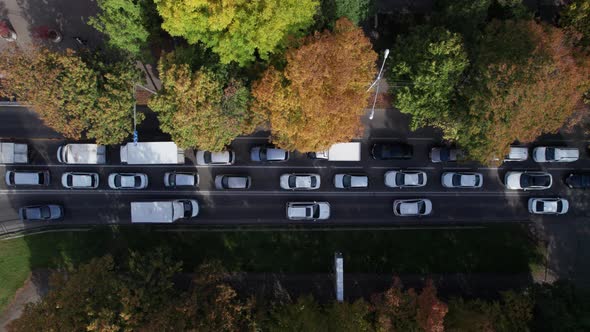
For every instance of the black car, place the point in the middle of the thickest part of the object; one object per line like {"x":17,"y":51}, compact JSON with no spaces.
{"x":389,"y":151}
{"x":578,"y":180}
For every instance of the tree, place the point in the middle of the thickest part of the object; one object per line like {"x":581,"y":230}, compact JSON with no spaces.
{"x":576,"y":18}
{"x":560,"y":306}
{"x":240,"y":29}
{"x":355,"y":10}
{"x":317,"y":100}
{"x":125,"y":22}
{"x":527,"y":81}
{"x":303,"y":315}
{"x":76,"y":98}
{"x":428,"y":64}
{"x":199,"y":109}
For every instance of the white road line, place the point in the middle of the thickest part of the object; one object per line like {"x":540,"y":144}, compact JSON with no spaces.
{"x":245,"y":194}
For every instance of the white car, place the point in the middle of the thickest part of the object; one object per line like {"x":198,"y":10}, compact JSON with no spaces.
{"x":181,"y":179}
{"x":262,"y":153}
{"x":548,"y":205}
{"x":232,"y":182}
{"x":403,"y":179}
{"x":528,"y":180}
{"x":308,"y":210}
{"x":412,"y":207}
{"x":462,"y":180}
{"x":79,"y":180}
{"x":351,"y":181}
{"x":517,"y":153}
{"x":128,"y":181}
{"x":300,"y":181}
{"x":226,"y":157}
{"x":546,"y":154}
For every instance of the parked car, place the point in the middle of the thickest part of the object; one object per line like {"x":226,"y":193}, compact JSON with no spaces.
{"x":263,"y":153}
{"x":232,"y":182}
{"x":546,"y":154}
{"x":403,"y":179}
{"x":528,"y":180}
{"x":445,"y":154}
{"x":462,"y":180}
{"x":300,"y":181}
{"x":226,"y":157}
{"x":390,"y":151}
{"x":308,"y":210}
{"x":80,"y":180}
{"x":412,"y":207}
{"x":27,"y":178}
{"x":351,"y":181}
{"x":181,"y":179}
{"x":128,"y":181}
{"x":41,"y":212}
{"x":578,"y":180}
{"x":517,"y":153}
{"x":548,"y":205}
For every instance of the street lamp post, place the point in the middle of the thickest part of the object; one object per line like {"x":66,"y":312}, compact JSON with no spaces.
{"x":376,"y":83}
{"x":135,"y":134}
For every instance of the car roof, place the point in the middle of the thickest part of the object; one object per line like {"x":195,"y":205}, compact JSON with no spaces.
{"x":275,"y":154}
{"x":26,"y":177}
{"x":220,"y":157}
{"x":359,"y":180}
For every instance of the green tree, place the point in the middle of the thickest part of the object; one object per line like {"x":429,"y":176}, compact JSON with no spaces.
{"x":355,"y":10}
{"x":303,"y":315}
{"x":200,"y":109}
{"x":466,"y":17}
{"x":125,"y":22}
{"x":576,"y":17}
{"x":240,"y":29}
{"x":427,"y":66}
{"x":318,"y":99}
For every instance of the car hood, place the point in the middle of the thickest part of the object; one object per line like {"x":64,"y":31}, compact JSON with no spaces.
{"x":513,"y":180}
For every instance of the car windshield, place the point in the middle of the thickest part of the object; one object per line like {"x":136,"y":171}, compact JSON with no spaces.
{"x":262,"y":154}
{"x":550,"y":154}
{"x":40,"y":178}
{"x":292,"y":181}
{"x":346,"y":180}
{"x":172,"y":179}
{"x":224,"y":182}
{"x":187,"y":208}
{"x":559,"y":206}
{"x":207,"y":157}
{"x":456,"y":180}
{"x":421,"y":207}
{"x":540,"y":206}
{"x":69,"y":180}
{"x":316,"y":211}
{"x":445,"y":154}
{"x":400,"y":179}
{"x":313,"y":181}
{"x":45,"y":212}
{"x":117,"y":180}
{"x":137,"y":181}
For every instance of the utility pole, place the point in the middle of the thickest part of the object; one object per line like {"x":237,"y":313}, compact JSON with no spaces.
{"x":376,"y":83}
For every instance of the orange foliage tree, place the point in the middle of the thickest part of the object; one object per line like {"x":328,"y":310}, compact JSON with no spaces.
{"x":521,"y":90}
{"x":317,"y":100}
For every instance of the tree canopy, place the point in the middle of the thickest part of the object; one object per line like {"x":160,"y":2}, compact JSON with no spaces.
{"x":426,"y":67}
{"x":318,"y":99}
{"x":576,"y":17}
{"x":237,"y":30}
{"x":75,"y":98}
{"x":200,"y":109}
{"x":125,"y":22}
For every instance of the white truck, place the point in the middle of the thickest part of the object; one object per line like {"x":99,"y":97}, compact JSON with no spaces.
{"x":163,"y":211}
{"x":340,"y":152}
{"x":82,"y":154}
{"x":13,"y":153}
{"x":151,"y":153}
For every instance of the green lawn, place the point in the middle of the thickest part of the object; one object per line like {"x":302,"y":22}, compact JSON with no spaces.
{"x":496,"y":249}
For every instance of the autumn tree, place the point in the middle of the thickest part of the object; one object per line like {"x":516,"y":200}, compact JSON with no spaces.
{"x":576,"y":17}
{"x":237,"y":30}
{"x":527,"y":81}
{"x":75,"y":98}
{"x":427,"y":66}
{"x":318,"y":99}
{"x":200,"y":109}
{"x":126,"y":23}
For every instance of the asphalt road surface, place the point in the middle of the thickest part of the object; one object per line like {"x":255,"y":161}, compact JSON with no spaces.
{"x":264,"y":203}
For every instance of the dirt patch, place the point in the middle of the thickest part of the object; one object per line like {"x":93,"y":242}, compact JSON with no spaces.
{"x":35,"y":287}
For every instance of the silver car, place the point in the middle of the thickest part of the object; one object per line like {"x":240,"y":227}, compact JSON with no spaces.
{"x":27,"y":178}
{"x":462,"y":180}
{"x":548,"y":205}
{"x":308,"y":210}
{"x":232,"y":182}
{"x":128,"y":181}
{"x":300,"y":181}
{"x":412,"y":207}
{"x":181,"y":179}
{"x":444,"y":154}
{"x":262,"y":153}
{"x":80,"y":180}
{"x":547,"y":154}
{"x":226,"y":157}
{"x":41,"y":212}
{"x":403,"y":179}
{"x":351,"y":181}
